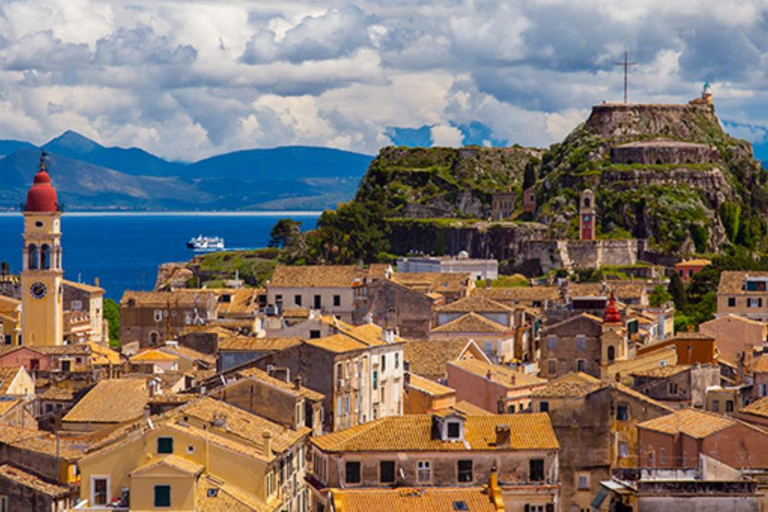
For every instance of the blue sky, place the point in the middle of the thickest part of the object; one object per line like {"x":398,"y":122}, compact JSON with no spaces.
{"x":188,"y":79}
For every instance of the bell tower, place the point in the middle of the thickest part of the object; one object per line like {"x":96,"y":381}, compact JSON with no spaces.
{"x":42,"y":274}
{"x":587,"y":215}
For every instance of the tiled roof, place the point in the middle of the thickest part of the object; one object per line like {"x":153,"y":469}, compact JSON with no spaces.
{"x":415,"y":433}
{"x":404,"y":499}
{"x":653,"y":359}
{"x":472,"y":323}
{"x":429,"y":357}
{"x":261,"y":375}
{"x":520,"y":293}
{"x":468,"y":409}
{"x":761,"y":364}
{"x":76,"y":349}
{"x":185,"y":297}
{"x":732,"y":282}
{"x":499,"y":374}
{"x":695,"y":262}
{"x":662,"y":371}
{"x":213,"y":495}
{"x":173,"y":461}
{"x":7,"y":374}
{"x":350,"y":338}
{"x":153,"y":355}
{"x":188,"y":353}
{"x":111,"y":401}
{"x":101,"y":355}
{"x":621,"y":290}
{"x":251,"y":344}
{"x":296,"y":313}
{"x":7,"y":403}
{"x":572,"y":385}
{"x":474,"y":302}
{"x":41,"y":441}
{"x":97,"y":290}
{"x":316,"y":276}
{"x":30,"y":481}
{"x":691,"y":422}
{"x":433,"y":282}
{"x":244,"y":301}
{"x":758,"y":407}
{"x":429,"y":386}
{"x":9,"y":306}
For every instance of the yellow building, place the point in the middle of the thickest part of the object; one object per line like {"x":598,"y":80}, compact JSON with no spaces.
{"x":204,"y":455}
{"x":42,"y":274}
{"x":10,"y":318}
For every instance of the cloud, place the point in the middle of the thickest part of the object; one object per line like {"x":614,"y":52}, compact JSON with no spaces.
{"x":446,"y":136}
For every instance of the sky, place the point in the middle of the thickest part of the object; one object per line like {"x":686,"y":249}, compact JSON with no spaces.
{"x":186,"y":80}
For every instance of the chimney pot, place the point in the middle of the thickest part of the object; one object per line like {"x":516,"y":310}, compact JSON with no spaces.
{"x":297,"y":382}
{"x":267,"y":438}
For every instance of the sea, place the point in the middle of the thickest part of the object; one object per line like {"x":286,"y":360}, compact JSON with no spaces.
{"x":124,"y":249}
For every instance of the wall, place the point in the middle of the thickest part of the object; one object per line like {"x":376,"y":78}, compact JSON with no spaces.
{"x":666,"y":152}
{"x":307,"y":300}
{"x":393,"y":305}
{"x":24,"y":498}
{"x":733,"y":335}
{"x":549,"y":255}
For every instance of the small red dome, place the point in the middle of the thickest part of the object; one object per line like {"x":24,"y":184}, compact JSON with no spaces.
{"x":42,"y":196}
{"x":612,"y":315}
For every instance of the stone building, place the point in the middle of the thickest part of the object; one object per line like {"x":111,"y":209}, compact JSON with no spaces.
{"x":503,"y":205}
{"x":529,"y":200}
{"x":392,"y":305}
{"x":664,"y":151}
{"x":678,"y":386}
{"x":81,"y":298}
{"x":152,"y":318}
{"x":21,"y":490}
{"x":444,"y":450}
{"x":734,"y":335}
{"x":743,"y":293}
{"x":595,"y":422}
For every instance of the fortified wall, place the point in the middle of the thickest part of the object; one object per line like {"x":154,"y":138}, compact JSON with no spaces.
{"x":541,"y":256}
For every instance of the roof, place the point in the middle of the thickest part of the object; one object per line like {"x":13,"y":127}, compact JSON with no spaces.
{"x":33,"y":482}
{"x":698,"y":262}
{"x":7,"y":403}
{"x":7,"y":375}
{"x":662,"y":371}
{"x":757,"y":408}
{"x":429,"y":357}
{"x":433,"y":282}
{"x":663,"y":143}
{"x":251,"y":344}
{"x":188,"y":353}
{"x":183,"y":297}
{"x":474,"y":302}
{"x":468,"y":408}
{"x":760,"y":365}
{"x":41,"y":441}
{"x":96,"y":290}
{"x":350,"y":338}
{"x":244,"y":301}
{"x":296,"y":313}
{"x":414,"y":432}
{"x":316,"y":276}
{"x":405,"y":499}
{"x":261,"y":375}
{"x":213,"y":495}
{"x":732,"y":282}
{"x":111,"y":401}
{"x":472,"y":323}
{"x":575,"y":384}
{"x":57,"y":393}
{"x":179,"y":463}
{"x":153,"y":355}
{"x":520,"y":293}
{"x":74,"y":349}
{"x":621,"y":290}
{"x":429,"y":387}
{"x":499,"y":374}
{"x":646,"y":361}
{"x":691,"y":422}
{"x":9,"y":306}
{"x":103,"y":355}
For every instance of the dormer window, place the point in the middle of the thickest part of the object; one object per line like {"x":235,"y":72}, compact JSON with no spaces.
{"x":449,"y":427}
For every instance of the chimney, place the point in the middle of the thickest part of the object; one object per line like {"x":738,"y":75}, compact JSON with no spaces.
{"x":489,"y":375}
{"x":267,"y":442}
{"x":513,"y":379}
{"x":297,"y":382}
{"x":503,"y":435}
{"x":96,"y":282}
{"x":220,"y":421}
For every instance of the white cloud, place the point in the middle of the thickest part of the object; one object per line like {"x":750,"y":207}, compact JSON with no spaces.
{"x":446,"y":136}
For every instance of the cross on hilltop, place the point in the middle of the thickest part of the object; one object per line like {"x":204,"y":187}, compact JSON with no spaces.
{"x":626,"y":64}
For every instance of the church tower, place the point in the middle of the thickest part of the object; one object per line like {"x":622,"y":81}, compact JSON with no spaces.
{"x":587,"y":215}
{"x":42,"y":274}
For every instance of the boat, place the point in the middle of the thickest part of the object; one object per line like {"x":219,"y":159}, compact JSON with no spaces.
{"x":202,"y":243}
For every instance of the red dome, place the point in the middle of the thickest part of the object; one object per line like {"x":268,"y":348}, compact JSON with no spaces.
{"x":612,"y":314}
{"x":42,"y":196}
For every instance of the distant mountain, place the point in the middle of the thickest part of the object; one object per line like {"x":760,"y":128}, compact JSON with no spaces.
{"x":90,"y":176}
{"x":133,"y":161}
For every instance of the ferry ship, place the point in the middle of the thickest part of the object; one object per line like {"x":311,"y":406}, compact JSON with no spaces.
{"x":206,"y":243}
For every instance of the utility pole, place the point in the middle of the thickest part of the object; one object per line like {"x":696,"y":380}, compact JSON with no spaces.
{"x":626,"y":65}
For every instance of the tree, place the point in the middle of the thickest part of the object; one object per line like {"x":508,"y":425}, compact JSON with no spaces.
{"x":356,"y":231}
{"x":112,"y":315}
{"x":284,"y":232}
{"x":5,"y":268}
{"x":529,"y":174}
{"x":677,"y":291}
{"x":730,"y":216}
{"x":659,"y":296}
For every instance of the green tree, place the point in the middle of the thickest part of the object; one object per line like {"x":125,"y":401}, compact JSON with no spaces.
{"x":730,"y":216}
{"x":5,"y":268}
{"x":529,"y":174}
{"x":700,"y":237}
{"x":677,"y":290}
{"x":284,"y":232}
{"x":659,"y":296}
{"x":112,"y":315}
{"x":356,"y":231}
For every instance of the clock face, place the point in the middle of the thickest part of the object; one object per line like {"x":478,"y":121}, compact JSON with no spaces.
{"x":586,"y":218}
{"x":38,"y":290}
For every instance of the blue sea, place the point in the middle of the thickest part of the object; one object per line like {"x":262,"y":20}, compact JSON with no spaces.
{"x":124,"y":249}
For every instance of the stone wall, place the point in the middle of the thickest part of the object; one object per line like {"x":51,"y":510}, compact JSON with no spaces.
{"x":546,"y":255}
{"x":664,"y":152}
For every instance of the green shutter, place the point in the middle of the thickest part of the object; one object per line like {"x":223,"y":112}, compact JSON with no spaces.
{"x":162,"y":495}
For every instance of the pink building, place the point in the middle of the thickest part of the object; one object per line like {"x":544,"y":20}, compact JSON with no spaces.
{"x":687,"y":269}
{"x":27,"y":357}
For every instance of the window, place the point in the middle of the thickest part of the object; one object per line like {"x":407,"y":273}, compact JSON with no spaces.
{"x":297,"y":300}
{"x":622,"y":412}
{"x":158,"y":315}
{"x":672,"y":388}
{"x":314,"y":334}
{"x":763,"y":390}
{"x":715,"y":405}
{"x":99,"y":490}
{"x":511,"y":408}
{"x":611,"y":352}
{"x":552,"y":367}
{"x":536,"y":470}
{"x":424,"y":471}
{"x":623,"y":449}
{"x":552,"y":342}
{"x":387,"y":472}
{"x":346,"y":404}
{"x":731,"y":302}
{"x":77,"y":305}
{"x":383,"y":363}
{"x":453,"y":430}
{"x":45,"y":257}
{"x":581,"y":365}
{"x":754,"y":302}
{"x":662,"y":456}
{"x":543,"y":406}
{"x":190,"y":449}
{"x":375,"y":379}
{"x":164,"y":445}
{"x":3,"y":503}
{"x":66,"y":366}
{"x":162,"y":495}
{"x":582,"y":482}
{"x":318,"y":301}
{"x":337,"y":300}
{"x":729,"y":406}
{"x":397,"y":360}
{"x":464,"y":468}
{"x":581,"y":343}
{"x":352,"y":472}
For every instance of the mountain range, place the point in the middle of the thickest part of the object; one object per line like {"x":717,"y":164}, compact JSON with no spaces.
{"x":89,"y":176}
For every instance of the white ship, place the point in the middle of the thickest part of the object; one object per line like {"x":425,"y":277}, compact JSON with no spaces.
{"x":206,"y":243}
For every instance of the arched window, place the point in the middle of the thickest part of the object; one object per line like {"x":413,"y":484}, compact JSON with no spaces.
{"x":32,"y":257}
{"x":586,"y":202}
{"x":57,"y":263}
{"x":45,"y":257}
{"x":611,"y":353}
{"x":153,"y":338}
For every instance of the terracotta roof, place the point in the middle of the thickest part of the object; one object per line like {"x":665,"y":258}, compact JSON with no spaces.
{"x":316,"y":276}
{"x":662,"y":371}
{"x":184,"y":297}
{"x":351,"y":338}
{"x":77,"y":349}
{"x":691,"y":422}
{"x":111,"y":401}
{"x":520,"y":293}
{"x":476,"y":303}
{"x":695,"y":262}
{"x":7,"y":375}
{"x":213,"y":495}
{"x":429,"y":357}
{"x":173,"y":461}
{"x":31,"y":481}
{"x":9,"y":306}
{"x":404,"y":499}
{"x":761,"y":364}
{"x":499,"y":374}
{"x":472,"y":323}
{"x":185,"y":352}
{"x":757,"y":408}
{"x":468,"y":409}
{"x":97,"y":290}
{"x":429,"y":386}
{"x":654,"y":359}
{"x":57,"y":393}
{"x":414,"y":432}
{"x":261,"y":375}
{"x":296,"y":313}
{"x":379,"y":270}
{"x":572,"y":385}
{"x":433,"y":282}
{"x":103,"y":355}
{"x":251,"y":344}
{"x":153,"y":355}
{"x":7,"y":403}
{"x":621,"y":290}
{"x":244,"y":301}
{"x":41,"y":441}
{"x":732,"y":282}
